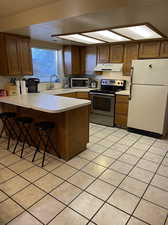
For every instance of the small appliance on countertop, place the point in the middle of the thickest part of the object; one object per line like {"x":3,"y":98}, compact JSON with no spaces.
{"x":32,"y":85}
{"x":80,"y":82}
{"x":103,"y":101}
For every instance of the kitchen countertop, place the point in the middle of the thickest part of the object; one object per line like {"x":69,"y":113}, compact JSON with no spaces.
{"x":124,"y":92}
{"x":73,"y":90}
{"x":67,"y":90}
{"x":45,"y":102}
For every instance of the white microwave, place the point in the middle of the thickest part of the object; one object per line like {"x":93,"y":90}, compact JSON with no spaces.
{"x":79,"y":82}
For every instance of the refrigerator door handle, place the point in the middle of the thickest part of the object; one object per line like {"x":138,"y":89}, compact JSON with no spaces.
{"x":130,"y":96}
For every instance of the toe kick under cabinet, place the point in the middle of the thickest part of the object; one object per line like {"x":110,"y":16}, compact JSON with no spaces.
{"x":121,"y":111}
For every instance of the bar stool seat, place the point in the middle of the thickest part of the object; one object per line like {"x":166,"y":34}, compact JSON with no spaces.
{"x":44,"y":125}
{"x":6,"y":118}
{"x":24,"y":120}
{"x":24,"y":124}
{"x":44,"y":131}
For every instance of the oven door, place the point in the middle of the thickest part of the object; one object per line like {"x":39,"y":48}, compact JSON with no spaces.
{"x":102,"y":109}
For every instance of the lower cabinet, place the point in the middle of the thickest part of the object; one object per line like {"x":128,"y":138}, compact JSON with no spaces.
{"x":121,"y":111}
{"x":69,"y":95}
{"x":80,"y":95}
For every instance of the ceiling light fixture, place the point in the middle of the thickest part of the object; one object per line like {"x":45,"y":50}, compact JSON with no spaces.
{"x":138,"y":32}
{"x":80,"y":38}
{"x":106,"y":35}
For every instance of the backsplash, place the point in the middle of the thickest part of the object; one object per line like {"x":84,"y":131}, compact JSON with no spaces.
{"x":44,"y":86}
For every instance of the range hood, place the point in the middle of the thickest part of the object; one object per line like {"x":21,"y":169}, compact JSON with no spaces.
{"x":115,"y":67}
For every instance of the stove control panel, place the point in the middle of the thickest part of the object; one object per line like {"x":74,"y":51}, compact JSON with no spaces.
{"x":110,"y":82}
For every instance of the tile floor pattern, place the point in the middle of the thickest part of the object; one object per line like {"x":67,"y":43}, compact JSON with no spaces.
{"x":121,"y":179}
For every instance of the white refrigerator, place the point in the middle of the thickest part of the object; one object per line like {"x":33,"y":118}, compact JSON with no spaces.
{"x":148,"y":104}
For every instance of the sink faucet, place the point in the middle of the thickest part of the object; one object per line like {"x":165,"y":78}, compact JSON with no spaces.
{"x":51,"y":78}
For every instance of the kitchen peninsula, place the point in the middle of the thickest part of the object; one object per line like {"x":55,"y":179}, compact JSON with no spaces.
{"x":70,"y":115}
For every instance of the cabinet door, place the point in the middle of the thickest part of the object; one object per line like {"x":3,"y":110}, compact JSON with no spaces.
{"x":121,"y":111}
{"x":149,"y":49}
{"x":130,"y":53}
{"x":25,"y":56}
{"x":164,"y":49}
{"x":12,"y":52}
{"x":67,"y":55}
{"x":116,"y":53}
{"x":103,"y":53}
{"x":76,"y":60}
{"x":82,"y":95}
{"x":90,"y":59}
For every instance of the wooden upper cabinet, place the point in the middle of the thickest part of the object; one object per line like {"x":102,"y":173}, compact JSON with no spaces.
{"x":25,"y":56}
{"x":116,"y":53}
{"x":164,"y":49}
{"x":90,"y":59}
{"x":72,"y":59}
{"x":15,"y":54}
{"x":149,"y":49}
{"x":103,"y":53}
{"x":130,"y":53}
{"x":12,"y":53}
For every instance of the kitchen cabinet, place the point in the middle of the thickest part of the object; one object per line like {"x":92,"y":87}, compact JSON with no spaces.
{"x":164,"y":49}
{"x":82,"y":95}
{"x":72,"y":59}
{"x":149,"y":49}
{"x":121,"y":111}
{"x":103,"y":53}
{"x":130,"y":53}
{"x":25,"y":56}
{"x":116,"y":53}
{"x":69,"y":95}
{"x":90,"y":59}
{"x":15,"y":55}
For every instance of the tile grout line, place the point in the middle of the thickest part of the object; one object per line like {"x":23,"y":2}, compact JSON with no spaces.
{"x":147,"y":187}
{"x":121,"y":181}
{"x":89,"y":162}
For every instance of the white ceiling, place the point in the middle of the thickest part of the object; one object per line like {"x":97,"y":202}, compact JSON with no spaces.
{"x":8,"y":7}
{"x":137,"y":11}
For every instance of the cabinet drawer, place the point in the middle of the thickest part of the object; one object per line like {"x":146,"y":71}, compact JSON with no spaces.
{"x":121,"y":108}
{"x":70,"y":95}
{"x":122,"y":99}
{"x":82,"y":95}
{"x":121,"y":121}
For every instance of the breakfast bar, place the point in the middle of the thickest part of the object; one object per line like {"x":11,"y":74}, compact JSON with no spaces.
{"x":70,"y":115}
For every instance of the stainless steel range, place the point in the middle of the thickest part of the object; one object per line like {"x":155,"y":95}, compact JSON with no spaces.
{"x":103,"y":101}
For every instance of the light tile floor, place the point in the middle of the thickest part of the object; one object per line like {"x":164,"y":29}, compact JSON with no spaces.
{"x":121,"y":179}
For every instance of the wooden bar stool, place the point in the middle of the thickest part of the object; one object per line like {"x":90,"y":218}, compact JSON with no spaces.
{"x":44,"y":130}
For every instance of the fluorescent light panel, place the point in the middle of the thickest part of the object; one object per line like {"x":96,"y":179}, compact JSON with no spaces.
{"x":106,"y":35}
{"x":80,"y":38}
{"x":138,"y":32}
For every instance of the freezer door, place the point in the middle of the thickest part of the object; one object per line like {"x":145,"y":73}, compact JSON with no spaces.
{"x":147,"y":108}
{"x":152,"y":71}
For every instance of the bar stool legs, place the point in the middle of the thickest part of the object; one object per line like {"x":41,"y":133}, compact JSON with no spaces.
{"x":24,"y":125}
{"x":44,"y":130}
{"x":6,"y":118}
